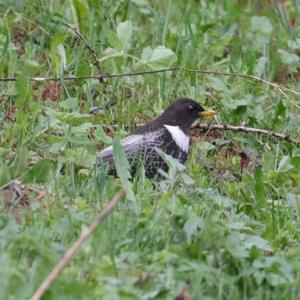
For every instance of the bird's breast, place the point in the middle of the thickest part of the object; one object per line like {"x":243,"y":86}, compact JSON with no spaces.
{"x":181,"y":139}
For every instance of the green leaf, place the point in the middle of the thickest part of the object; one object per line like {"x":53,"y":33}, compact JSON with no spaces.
{"x":141,"y":2}
{"x":235,"y":103}
{"x":146,"y":54}
{"x":205,"y":146}
{"x":40,"y":172}
{"x":160,"y":57}
{"x":82,"y":10}
{"x":261,"y":24}
{"x":268,"y":161}
{"x":58,"y":39}
{"x":121,"y":161}
{"x":83,"y":68}
{"x":122,"y":167}
{"x":80,"y":156}
{"x":259,"y":188}
{"x":261,"y":65}
{"x":187,"y":179}
{"x":32,"y":65}
{"x":217,"y":83}
{"x":234,"y":244}
{"x":287,"y":57}
{"x":4,"y":173}
{"x":280,"y":114}
{"x":193,"y":223}
{"x":124,"y":33}
{"x":68,"y":104}
{"x":172,"y":162}
{"x":222,"y":201}
{"x":59,"y":146}
{"x":63,"y":59}
{"x":83,"y":128}
{"x":284,"y":164}
{"x":101,"y":135}
{"x":71,"y":118}
{"x":22,"y":88}
{"x":294,"y":44}
{"x":20,"y":161}
{"x":4,"y":43}
{"x":296,"y":162}
{"x":280,"y":109}
{"x":78,"y":139}
{"x":258,"y":242}
{"x":115,"y":42}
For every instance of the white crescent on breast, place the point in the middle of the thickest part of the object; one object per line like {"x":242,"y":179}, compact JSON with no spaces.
{"x":181,"y":139}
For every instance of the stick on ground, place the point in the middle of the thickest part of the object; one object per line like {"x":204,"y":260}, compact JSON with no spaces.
{"x":272,"y":134}
{"x":77,"y":245}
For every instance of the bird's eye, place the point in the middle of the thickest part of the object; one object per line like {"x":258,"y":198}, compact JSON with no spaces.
{"x":191,"y":107}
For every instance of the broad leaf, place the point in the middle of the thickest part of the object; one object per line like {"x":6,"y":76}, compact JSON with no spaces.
{"x":217,"y":83}
{"x":124,"y":33}
{"x":83,"y":69}
{"x":122,"y":167}
{"x":192,"y":225}
{"x":72,"y":118}
{"x":260,"y":243}
{"x":235,"y":103}
{"x":261,"y":24}
{"x":69,"y":104}
{"x":287,"y":57}
{"x":160,"y":57}
{"x":40,"y":172}
{"x":101,"y":135}
{"x":80,"y":156}
{"x":261,"y":66}
{"x":294,"y":44}
{"x":285,"y":164}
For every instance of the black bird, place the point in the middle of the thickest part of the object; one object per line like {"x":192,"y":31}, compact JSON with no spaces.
{"x":169,"y":132}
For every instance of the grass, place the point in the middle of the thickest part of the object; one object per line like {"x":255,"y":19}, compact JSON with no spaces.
{"x":208,"y":230}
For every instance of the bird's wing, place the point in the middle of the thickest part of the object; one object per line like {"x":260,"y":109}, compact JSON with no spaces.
{"x":131,"y":145}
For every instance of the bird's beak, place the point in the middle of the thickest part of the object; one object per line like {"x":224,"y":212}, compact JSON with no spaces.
{"x":208,"y":112}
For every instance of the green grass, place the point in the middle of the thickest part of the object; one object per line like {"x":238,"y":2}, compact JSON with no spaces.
{"x":221,"y":234}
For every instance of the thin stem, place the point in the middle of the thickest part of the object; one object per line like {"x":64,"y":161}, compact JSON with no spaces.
{"x":173,"y":69}
{"x":87,"y":45}
{"x":77,"y":245}
{"x":272,"y":134}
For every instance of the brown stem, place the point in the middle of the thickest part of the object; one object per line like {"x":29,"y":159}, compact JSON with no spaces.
{"x":272,"y":134}
{"x":174,"y":69}
{"x":87,"y":45}
{"x":77,"y":245}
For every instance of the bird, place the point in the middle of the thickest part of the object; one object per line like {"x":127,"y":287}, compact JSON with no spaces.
{"x":170,"y":132}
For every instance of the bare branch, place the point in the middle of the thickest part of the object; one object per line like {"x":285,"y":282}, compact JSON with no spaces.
{"x":77,"y":245}
{"x":271,"y":134}
{"x":88,"y":46}
{"x":174,"y":69}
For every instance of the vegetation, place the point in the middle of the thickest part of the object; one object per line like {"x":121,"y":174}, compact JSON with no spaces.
{"x":225,"y":227}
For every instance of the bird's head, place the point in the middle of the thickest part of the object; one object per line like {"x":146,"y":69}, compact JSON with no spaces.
{"x":183,"y":113}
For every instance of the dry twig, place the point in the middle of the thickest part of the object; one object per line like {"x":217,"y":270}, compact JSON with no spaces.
{"x":174,"y":69}
{"x":88,"y":46}
{"x":77,"y":245}
{"x":272,"y":134}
